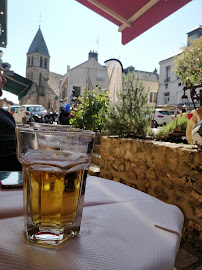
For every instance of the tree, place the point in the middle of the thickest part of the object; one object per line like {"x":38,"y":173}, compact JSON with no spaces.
{"x":87,"y":114}
{"x":129,"y":116}
{"x":188,"y":65}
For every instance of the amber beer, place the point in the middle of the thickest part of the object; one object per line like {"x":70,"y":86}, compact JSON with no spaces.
{"x":54,"y":196}
{"x":55,"y":164}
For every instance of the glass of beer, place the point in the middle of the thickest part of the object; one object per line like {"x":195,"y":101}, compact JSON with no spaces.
{"x":55,"y":161}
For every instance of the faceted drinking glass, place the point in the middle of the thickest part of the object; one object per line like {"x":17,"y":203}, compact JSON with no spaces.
{"x":55,"y":160}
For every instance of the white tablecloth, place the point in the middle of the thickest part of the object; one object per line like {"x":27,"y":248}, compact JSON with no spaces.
{"x":122,"y":228}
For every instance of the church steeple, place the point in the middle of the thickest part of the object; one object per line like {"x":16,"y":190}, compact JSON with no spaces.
{"x":38,"y":58}
{"x":38,"y":44}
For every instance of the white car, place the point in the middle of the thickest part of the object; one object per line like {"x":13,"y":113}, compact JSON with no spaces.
{"x":162,"y":117}
{"x":23,"y":114}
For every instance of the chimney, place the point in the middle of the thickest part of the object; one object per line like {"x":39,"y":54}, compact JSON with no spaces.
{"x":93,"y":55}
{"x":68,"y":68}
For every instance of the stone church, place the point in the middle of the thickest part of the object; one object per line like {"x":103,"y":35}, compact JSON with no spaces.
{"x":45,"y":90}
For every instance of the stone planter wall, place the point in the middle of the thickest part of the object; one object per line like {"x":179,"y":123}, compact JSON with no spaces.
{"x":167,"y":171}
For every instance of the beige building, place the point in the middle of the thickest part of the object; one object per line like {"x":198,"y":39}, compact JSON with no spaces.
{"x":89,"y":73}
{"x":150,"y":81}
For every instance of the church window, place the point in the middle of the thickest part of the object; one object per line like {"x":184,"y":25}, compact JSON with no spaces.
{"x":28,"y":61}
{"x":41,"y":61}
{"x":32,"y":61}
{"x":40,"y":79}
{"x":45,"y":63}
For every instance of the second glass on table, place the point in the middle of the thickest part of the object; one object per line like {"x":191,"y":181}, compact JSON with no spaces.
{"x":55,"y":160}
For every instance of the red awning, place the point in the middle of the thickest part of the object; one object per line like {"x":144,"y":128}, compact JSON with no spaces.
{"x":134,"y":17}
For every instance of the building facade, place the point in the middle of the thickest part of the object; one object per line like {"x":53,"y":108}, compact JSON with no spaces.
{"x":150,"y":81}
{"x":170,"y":86}
{"x":89,"y":73}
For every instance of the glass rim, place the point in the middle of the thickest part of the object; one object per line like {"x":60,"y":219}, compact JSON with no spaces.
{"x":53,"y":129}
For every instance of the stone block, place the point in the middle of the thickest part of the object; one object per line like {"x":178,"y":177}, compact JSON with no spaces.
{"x":150,"y":174}
{"x":185,"y":259}
{"x":121,"y":168}
{"x":197,"y":186}
{"x":127,"y":166}
{"x":133,"y":165}
{"x":161,"y":194}
{"x":198,"y":213}
{"x":197,"y":158}
{"x":115,"y":166}
{"x":128,"y":155}
{"x":168,"y":184}
{"x":140,"y":155}
{"x":196,"y":196}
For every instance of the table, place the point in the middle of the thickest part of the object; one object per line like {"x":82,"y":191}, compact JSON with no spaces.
{"x":122,"y":228}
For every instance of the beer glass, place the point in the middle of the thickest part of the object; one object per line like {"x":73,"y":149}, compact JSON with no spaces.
{"x":55,"y":161}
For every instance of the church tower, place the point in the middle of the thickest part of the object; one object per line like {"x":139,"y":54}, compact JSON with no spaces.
{"x":38,"y":59}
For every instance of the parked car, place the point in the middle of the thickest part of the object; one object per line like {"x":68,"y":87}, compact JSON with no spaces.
{"x":161,"y":117}
{"x":25,"y":113}
{"x":13,"y":108}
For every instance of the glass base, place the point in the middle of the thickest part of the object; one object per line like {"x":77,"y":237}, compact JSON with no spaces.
{"x":51,"y":237}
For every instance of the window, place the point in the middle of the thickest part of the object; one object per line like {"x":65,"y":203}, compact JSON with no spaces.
{"x":32,"y":61}
{"x":45,"y":63}
{"x":28,"y":61}
{"x":75,"y":92}
{"x":152,"y":97}
{"x":100,"y":76}
{"x":40,"y":79}
{"x":41,"y":61}
{"x":194,"y":37}
{"x":166,"y":98}
{"x":168,"y":74}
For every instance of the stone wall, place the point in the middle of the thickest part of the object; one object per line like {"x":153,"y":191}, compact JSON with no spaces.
{"x":170,"y":172}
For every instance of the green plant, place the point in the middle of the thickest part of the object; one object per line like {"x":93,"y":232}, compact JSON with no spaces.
{"x":87,"y":114}
{"x":179,"y":123}
{"x":128,"y":117}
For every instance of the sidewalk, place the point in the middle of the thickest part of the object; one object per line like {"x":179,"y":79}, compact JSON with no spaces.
{"x":188,"y":258}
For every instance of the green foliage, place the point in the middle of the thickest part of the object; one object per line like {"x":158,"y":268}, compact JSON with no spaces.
{"x":87,"y":114}
{"x":188,"y":65}
{"x":179,"y":123}
{"x":128,"y":117}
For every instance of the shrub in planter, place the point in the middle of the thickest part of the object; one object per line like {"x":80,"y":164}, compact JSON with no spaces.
{"x":87,"y":113}
{"x":129,"y":116}
{"x":167,"y":132}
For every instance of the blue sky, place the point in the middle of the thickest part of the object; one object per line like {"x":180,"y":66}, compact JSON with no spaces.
{"x":71,"y":31}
